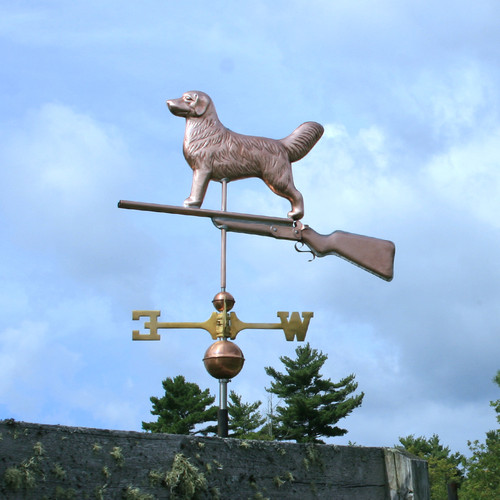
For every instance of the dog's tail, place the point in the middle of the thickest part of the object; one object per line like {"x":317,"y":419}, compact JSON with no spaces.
{"x":302,"y":140}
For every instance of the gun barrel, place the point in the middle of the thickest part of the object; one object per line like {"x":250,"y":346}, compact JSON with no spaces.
{"x":201,"y":212}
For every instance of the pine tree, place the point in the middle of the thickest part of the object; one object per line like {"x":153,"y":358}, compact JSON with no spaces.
{"x":312,"y":405}
{"x":183,"y":406}
{"x":244,"y":418}
{"x":444,"y":467}
{"x":483,"y":467}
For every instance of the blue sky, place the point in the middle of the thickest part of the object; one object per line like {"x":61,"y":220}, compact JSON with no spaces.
{"x":408,"y":94}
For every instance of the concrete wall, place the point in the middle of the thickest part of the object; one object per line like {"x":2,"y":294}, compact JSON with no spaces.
{"x":55,"y":462}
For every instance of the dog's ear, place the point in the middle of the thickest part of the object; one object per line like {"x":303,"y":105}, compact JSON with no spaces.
{"x":202,"y":102}
{"x":197,"y":101}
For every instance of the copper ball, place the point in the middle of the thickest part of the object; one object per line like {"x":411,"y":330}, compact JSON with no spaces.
{"x":223,"y":359}
{"x":222,"y":297}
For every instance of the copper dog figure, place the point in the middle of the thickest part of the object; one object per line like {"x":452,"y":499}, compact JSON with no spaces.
{"x":216,"y":153}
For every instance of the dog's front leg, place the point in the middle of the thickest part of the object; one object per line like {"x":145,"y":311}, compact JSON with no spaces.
{"x":201,"y":178}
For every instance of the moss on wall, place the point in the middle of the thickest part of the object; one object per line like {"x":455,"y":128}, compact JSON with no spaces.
{"x":56,"y":462}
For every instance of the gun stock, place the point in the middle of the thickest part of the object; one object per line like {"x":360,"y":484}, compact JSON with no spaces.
{"x":372,"y":254}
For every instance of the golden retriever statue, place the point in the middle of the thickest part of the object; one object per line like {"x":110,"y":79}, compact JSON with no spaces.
{"x":216,"y":153}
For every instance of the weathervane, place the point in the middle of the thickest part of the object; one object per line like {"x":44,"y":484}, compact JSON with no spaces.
{"x":216,"y":153}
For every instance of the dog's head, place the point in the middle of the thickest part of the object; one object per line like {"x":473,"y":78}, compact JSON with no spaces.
{"x":192,"y":104}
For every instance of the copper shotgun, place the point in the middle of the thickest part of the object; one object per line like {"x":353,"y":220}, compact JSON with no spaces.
{"x":371,"y":254}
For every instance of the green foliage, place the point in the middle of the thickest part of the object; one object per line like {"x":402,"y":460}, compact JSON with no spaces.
{"x":278,"y":482}
{"x":496,"y":404}
{"x":59,"y":472}
{"x":99,"y":492}
{"x":23,"y":476}
{"x":15,"y":478}
{"x":183,"y":406}
{"x":483,"y":467}
{"x":184,"y":479}
{"x":425,"y":448}
{"x":117,"y":454}
{"x":38,"y":449}
{"x":312,"y":405}
{"x":156,"y":477}
{"x":444,"y":467}
{"x":265,"y":433}
{"x":132,"y":493}
{"x":65,"y":494}
{"x":481,"y":470}
{"x":244,"y":418}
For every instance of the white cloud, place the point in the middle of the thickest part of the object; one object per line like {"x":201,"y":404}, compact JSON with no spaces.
{"x":454,"y":102}
{"x":20,"y":353}
{"x":65,"y":157}
{"x":65,"y":172}
{"x":468,"y":176}
{"x":349,"y":179}
{"x":33,"y":366}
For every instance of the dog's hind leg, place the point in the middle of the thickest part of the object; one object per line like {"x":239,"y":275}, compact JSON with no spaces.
{"x":292,"y":194}
{"x":201,"y":178}
{"x":279,"y":177}
{"x":297,"y":202}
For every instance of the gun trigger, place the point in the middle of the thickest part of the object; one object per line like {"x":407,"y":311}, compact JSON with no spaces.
{"x":304,"y":251}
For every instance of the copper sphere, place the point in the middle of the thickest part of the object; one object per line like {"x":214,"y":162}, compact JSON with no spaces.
{"x":222,"y":297}
{"x":223,"y":359}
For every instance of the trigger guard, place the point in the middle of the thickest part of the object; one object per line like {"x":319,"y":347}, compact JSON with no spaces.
{"x":304,"y":251}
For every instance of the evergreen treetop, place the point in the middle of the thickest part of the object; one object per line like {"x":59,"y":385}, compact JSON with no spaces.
{"x":483,"y":467}
{"x":312,"y":404}
{"x":444,"y":467}
{"x":244,"y":418}
{"x":183,"y":406}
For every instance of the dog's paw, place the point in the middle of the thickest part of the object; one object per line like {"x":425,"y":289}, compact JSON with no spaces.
{"x":296,"y":214}
{"x":189,"y":202}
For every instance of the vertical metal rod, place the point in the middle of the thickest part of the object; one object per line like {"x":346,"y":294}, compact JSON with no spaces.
{"x":223,"y":415}
{"x":223,"y":234}
{"x":223,"y":393}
